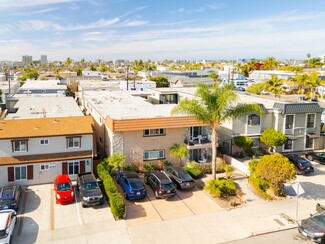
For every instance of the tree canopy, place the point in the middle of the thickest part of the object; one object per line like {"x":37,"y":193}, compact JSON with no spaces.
{"x":277,"y":170}
{"x":179,"y":151}
{"x":273,"y":138}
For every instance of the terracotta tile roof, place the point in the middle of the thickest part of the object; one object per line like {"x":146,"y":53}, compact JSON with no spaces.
{"x":23,"y":128}
{"x":42,"y":158}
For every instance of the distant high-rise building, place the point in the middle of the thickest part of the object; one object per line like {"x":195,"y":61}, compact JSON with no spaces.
{"x":27,"y":59}
{"x":43,"y":59}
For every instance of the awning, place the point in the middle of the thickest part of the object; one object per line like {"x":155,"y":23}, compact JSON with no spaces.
{"x":312,"y":136}
{"x":291,"y":137}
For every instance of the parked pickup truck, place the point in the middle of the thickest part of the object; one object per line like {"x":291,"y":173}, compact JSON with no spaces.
{"x":90,"y":193}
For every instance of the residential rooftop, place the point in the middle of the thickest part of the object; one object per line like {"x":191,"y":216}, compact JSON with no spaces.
{"x":39,"y":106}
{"x":126,"y":105}
{"x":45,"y":127}
{"x":43,"y":84}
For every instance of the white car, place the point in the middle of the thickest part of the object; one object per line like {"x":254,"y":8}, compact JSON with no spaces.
{"x":8,"y":220}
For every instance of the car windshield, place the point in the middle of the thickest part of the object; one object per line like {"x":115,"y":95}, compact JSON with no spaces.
{"x":305,"y":163}
{"x":64,"y":187}
{"x":168,"y":186}
{"x":136,"y":183}
{"x":90,"y":185}
{"x":185,"y":176}
{"x":319,"y":219}
{"x":7,"y":194}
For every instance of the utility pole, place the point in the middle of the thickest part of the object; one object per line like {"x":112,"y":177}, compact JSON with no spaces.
{"x":127,"y":77}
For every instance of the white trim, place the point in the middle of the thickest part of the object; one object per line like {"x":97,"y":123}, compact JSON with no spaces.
{"x":45,"y":139}
{"x":306,"y":121}
{"x":46,"y":167}
{"x":288,"y":150}
{"x":20,"y":166}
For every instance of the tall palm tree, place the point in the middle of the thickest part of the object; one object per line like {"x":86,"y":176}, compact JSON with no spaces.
{"x":270,"y":63}
{"x":212,"y":106}
{"x":308,"y":57}
{"x":179,"y":151}
{"x":312,"y":82}
{"x":274,"y":84}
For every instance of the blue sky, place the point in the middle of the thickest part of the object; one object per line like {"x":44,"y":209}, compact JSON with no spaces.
{"x":158,"y":30}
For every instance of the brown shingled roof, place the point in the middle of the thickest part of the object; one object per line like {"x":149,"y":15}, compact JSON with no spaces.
{"x":22,"y":128}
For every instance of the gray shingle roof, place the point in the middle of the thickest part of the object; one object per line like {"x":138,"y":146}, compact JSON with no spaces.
{"x":298,"y":108}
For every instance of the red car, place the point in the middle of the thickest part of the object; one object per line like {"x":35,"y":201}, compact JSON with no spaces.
{"x":63,"y":189}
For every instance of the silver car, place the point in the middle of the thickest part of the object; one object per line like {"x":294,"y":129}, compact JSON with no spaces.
{"x":8,"y":220}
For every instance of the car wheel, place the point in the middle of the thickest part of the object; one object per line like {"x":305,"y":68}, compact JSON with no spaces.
{"x":126,"y":196}
{"x":83,"y":205}
{"x":178,"y":186}
{"x":156,"y":194}
{"x":310,"y":157}
{"x":146,"y":180}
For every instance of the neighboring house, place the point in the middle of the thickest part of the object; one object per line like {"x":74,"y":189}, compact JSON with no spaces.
{"x":263,"y":75}
{"x":142,"y":129}
{"x":27,"y":106}
{"x":299,"y":121}
{"x":8,"y":88}
{"x":138,"y":85}
{"x":35,"y":151}
{"x":42,"y":87}
{"x":181,"y":81}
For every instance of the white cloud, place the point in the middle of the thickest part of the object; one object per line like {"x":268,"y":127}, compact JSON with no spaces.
{"x":195,"y":10}
{"x":130,"y":23}
{"x":5,"y":4}
{"x":41,"y":11}
{"x":133,"y":11}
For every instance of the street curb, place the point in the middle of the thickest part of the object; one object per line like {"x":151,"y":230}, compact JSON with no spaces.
{"x":273,"y":231}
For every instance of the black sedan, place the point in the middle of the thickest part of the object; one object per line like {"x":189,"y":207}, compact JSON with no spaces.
{"x":317,"y":156}
{"x":314,"y":227}
{"x":303,"y":166}
{"x":180,"y":177}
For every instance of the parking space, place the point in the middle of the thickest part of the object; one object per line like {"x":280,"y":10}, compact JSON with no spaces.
{"x":41,"y":220}
{"x":185,"y":203}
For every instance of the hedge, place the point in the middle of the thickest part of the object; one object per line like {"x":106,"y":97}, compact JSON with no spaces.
{"x":194,"y":172}
{"x":260,"y":186}
{"x":221,"y":187}
{"x":116,"y":200}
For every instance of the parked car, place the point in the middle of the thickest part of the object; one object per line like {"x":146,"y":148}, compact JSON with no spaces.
{"x":9,"y":197}
{"x":8,"y":220}
{"x":317,"y":156}
{"x":131,"y":184}
{"x":63,"y":189}
{"x":180,"y":177}
{"x":90,"y":193}
{"x":160,"y":183}
{"x":303,"y":166}
{"x":314,"y":227}
{"x":239,"y":88}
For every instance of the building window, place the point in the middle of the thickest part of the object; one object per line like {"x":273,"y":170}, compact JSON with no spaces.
{"x":310,"y":120}
{"x":154,"y":132}
{"x":20,"y":146}
{"x":21,"y":173}
{"x":253,"y":120}
{"x":288,"y":145}
{"x":309,"y":142}
{"x":74,"y":142}
{"x":154,"y":154}
{"x":44,"y":141}
{"x":289,"y":122}
{"x":73,"y":168}
{"x":44,"y":167}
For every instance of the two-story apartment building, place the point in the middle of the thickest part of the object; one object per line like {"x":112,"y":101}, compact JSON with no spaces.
{"x":142,"y":128}
{"x":34,"y":151}
{"x":299,"y":121}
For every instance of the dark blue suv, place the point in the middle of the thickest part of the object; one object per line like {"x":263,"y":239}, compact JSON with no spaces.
{"x":9,"y":197}
{"x":131,"y":184}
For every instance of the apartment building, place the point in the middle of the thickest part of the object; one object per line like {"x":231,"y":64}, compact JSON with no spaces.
{"x":299,"y":121}
{"x":35,"y":151}
{"x":141,"y":127}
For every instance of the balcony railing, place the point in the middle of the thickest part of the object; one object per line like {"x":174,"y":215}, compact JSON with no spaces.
{"x":200,"y":139}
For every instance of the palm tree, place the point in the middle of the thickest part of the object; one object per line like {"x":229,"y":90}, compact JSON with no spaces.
{"x":179,"y":151}
{"x":270,"y":63}
{"x":308,"y":57}
{"x":312,"y":82}
{"x":68,"y":62}
{"x":274,"y":85}
{"x":212,"y":106}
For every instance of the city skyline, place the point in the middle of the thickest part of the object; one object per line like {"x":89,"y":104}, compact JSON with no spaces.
{"x":124,"y":29}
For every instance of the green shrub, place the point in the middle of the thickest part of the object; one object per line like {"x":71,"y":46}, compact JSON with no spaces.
{"x":260,"y":186}
{"x":115,"y":198}
{"x":224,"y":168}
{"x":221,"y":187}
{"x":149,"y":166}
{"x":252,"y":165}
{"x":130,"y":167}
{"x":117,"y":205}
{"x":194,"y":172}
{"x":204,"y":168}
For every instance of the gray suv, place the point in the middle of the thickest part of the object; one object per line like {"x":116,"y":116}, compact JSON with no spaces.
{"x":90,"y":192}
{"x":160,"y":183}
